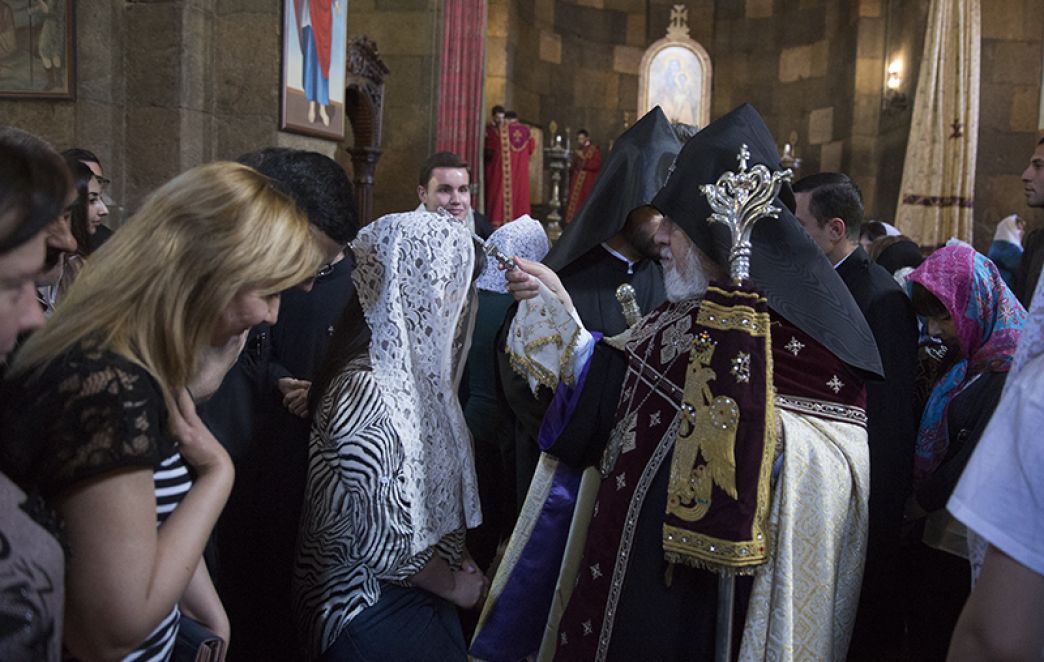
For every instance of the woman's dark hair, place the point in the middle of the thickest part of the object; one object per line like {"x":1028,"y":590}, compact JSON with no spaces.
{"x":81,"y":154}
{"x":872,"y":230}
{"x":895,"y":252}
{"x":82,"y":177}
{"x":34,"y":183}
{"x":926,"y":304}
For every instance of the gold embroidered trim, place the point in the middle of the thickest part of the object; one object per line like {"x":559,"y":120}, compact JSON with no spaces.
{"x":505,"y":173}
{"x":823,"y":409}
{"x":526,"y":367}
{"x":574,"y":197}
{"x":736,"y":558}
{"x":738,"y":318}
{"x":565,"y":364}
{"x":702,"y":550}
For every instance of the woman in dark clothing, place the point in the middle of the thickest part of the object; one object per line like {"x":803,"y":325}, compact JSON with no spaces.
{"x":966,"y":303}
{"x":896,"y":252}
{"x":86,"y":214}
{"x":494,"y":447}
{"x":34,"y":188}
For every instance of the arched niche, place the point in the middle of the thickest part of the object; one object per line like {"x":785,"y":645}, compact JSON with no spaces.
{"x":676,"y":75}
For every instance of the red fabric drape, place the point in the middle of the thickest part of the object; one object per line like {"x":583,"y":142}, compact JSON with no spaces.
{"x":459,"y":119}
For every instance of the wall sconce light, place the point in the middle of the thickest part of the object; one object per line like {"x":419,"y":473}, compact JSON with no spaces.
{"x":894,"y":100}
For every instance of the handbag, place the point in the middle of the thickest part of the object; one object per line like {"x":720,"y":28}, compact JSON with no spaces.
{"x":195,"y":643}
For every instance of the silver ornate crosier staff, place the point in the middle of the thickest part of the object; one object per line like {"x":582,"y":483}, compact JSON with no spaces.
{"x":739,"y":200}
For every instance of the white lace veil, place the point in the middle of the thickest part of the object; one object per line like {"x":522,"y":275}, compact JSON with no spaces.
{"x":523,"y":237}
{"x":413,"y":275}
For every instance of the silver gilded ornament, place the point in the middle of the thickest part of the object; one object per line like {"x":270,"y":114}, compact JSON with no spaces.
{"x":741,"y":199}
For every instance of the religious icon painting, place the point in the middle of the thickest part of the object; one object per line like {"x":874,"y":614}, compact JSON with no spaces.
{"x":37,"y":49}
{"x":675,"y":74}
{"x":315,"y":37}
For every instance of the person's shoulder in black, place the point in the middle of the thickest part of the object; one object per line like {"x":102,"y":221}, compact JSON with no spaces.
{"x":1028,"y":272}
{"x":866,"y":280}
{"x":592,"y":279}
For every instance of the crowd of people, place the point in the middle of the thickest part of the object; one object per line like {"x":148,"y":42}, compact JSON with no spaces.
{"x":249,"y":422}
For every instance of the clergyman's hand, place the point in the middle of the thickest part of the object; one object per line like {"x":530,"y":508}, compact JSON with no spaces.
{"x":524,"y":282}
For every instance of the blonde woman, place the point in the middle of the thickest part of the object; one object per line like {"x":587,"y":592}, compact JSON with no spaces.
{"x":100,"y":412}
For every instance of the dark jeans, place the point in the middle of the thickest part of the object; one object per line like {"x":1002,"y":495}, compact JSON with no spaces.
{"x":406,"y":625}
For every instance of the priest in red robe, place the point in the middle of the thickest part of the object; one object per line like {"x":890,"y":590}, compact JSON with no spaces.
{"x":583,"y":171}
{"x":507,"y":152}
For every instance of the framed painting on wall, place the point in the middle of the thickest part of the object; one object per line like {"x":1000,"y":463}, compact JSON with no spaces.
{"x":314,"y":61}
{"x":675,"y":74}
{"x":37,"y":49}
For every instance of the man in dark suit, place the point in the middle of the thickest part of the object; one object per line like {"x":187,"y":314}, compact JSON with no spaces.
{"x":830,"y":207}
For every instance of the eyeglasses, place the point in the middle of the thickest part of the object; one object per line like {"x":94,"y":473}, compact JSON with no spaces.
{"x":328,"y":268}
{"x":325,"y":270}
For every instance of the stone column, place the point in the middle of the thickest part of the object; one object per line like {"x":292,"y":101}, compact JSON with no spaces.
{"x":168,"y":91}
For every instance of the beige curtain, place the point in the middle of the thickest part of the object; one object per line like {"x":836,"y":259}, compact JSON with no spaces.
{"x":937,"y":193}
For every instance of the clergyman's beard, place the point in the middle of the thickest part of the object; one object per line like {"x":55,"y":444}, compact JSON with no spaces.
{"x":684,"y":279}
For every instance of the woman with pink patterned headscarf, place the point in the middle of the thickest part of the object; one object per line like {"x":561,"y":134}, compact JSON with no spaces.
{"x":964,"y":302}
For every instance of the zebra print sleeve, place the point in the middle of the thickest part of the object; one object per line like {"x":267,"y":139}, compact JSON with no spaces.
{"x":355,"y":525}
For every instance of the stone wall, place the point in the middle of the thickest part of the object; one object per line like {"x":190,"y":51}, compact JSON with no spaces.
{"x":165,"y":85}
{"x":1010,"y":88}
{"x":572,"y":62}
{"x":407,"y":34}
{"x":1009,"y":127}
{"x":814,"y":68}
{"x":795,"y":62}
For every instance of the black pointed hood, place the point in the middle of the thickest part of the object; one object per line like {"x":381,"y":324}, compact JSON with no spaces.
{"x":798,"y":280}
{"x":629,"y":178}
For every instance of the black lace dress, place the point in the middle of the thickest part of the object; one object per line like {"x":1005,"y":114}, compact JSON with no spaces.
{"x":90,"y":413}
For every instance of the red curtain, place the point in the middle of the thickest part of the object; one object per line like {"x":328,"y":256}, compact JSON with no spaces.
{"x":459,"y":121}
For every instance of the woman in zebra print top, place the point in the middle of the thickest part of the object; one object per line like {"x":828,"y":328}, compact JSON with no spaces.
{"x":381,"y":564}
{"x":100,"y":406}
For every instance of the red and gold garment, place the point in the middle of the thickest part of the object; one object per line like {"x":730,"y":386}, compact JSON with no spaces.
{"x":507,"y":172}
{"x":582,"y":174}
